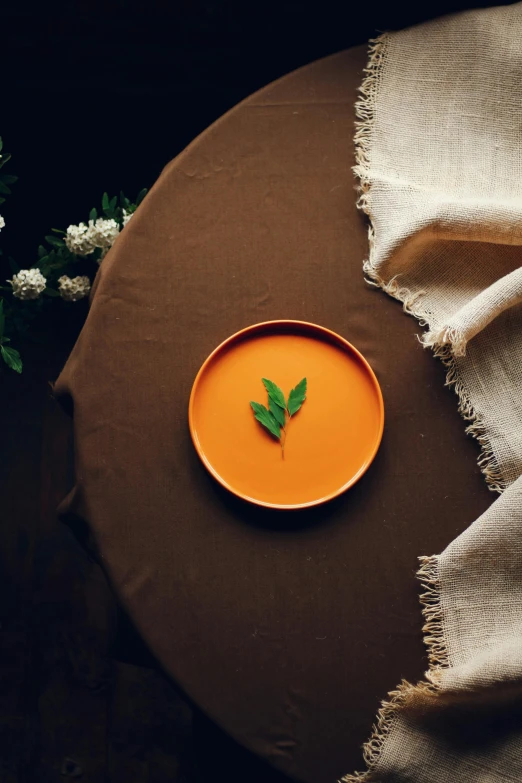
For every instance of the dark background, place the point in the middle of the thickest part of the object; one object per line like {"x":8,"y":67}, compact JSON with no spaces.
{"x":100,"y":96}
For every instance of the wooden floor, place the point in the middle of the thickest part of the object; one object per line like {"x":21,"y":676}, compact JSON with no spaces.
{"x":80,"y":696}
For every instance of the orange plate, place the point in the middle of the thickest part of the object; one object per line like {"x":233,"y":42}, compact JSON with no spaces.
{"x":331,"y":441}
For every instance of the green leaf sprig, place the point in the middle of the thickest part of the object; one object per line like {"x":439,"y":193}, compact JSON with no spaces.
{"x":54,"y":259}
{"x":275,"y":418}
{"x":10,"y":355}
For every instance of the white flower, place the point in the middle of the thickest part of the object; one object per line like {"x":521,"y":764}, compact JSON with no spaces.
{"x":103,"y":232}
{"x":82,"y":240}
{"x":2,"y":222}
{"x":28,"y":284}
{"x":73,"y":289}
{"x":126,"y":217}
{"x":79,"y":239}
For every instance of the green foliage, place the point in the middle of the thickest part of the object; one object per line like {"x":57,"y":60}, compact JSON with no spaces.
{"x":53,"y":259}
{"x":274,"y":419}
{"x":54,"y":241}
{"x":12,"y":358}
{"x":266,"y":418}
{"x":112,"y":208}
{"x":274,"y":393}
{"x":277,"y":412}
{"x":296,"y":397}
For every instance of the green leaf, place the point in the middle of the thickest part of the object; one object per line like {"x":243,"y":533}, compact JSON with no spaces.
{"x":1,"y":144}
{"x":42,"y":252}
{"x":93,"y":214}
{"x":40,"y":264}
{"x":5,"y":339}
{"x":275,"y":393}
{"x":12,"y":358}
{"x":9,"y":179}
{"x":296,"y":397}
{"x":50,"y":292}
{"x":141,"y":195}
{"x":112,"y":203}
{"x":105,"y":201}
{"x":4,"y":158}
{"x":277,"y":412}
{"x":2,"y":200}
{"x":265,"y":418}
{"x":13,"y":265}
{"x":4,"y":188}
{"x":58,"y":231}
{"x":2,"y":318}
{"x":54,"y":241}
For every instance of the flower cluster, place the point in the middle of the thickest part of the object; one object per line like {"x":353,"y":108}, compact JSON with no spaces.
{"x":53,"y":273}
{"x":73,"y":289}
{"x":78,"y":240}
{"x":28,"y":284}
{"x":104,"y":232}
{"x":82,"y":240}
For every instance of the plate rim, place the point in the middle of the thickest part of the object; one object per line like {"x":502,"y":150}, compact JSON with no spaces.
{"x":259,"y":327}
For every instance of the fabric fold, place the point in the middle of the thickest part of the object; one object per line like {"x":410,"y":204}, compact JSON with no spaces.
{"x":439,"y":161}
{"x":477,"y":314}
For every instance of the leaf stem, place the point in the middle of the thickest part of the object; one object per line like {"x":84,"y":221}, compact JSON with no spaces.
{"x":283,"y":441}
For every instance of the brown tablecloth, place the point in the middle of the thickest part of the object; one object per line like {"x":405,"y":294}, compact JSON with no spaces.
{"x":287,"y":630}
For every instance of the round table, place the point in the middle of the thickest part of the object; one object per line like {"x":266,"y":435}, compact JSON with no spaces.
{"x":285,"y":629}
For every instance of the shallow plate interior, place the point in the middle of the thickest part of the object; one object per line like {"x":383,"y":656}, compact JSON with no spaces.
{"x":330,"y":441}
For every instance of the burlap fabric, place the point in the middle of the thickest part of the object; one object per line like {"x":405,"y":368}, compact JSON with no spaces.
{"x":439,"y":157}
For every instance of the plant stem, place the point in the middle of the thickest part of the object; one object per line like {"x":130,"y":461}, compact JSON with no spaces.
{"x":283,"y":442}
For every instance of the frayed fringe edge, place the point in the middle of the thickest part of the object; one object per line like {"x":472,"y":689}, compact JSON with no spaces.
{"x":446,"y":352}
{"x":448,"y":335}
{"x":433,"y":629}
{"x":446,"y":345}
{"x":487,"y":461}
{"x":428,"y":573}
{"x":385,"y":719}
{"x":389,"y":709}
{"x":364,"y":112}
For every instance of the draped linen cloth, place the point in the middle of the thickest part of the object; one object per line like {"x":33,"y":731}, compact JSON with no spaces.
{"x":439,"y":160}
